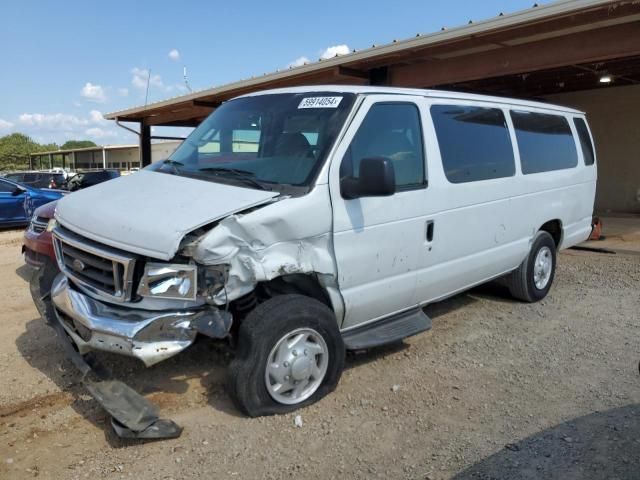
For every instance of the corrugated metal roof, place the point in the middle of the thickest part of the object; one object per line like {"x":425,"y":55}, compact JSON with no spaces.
{"x":500,"y":22}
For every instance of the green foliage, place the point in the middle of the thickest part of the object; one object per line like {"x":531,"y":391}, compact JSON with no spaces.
{"x":73,"y":144}
{"x":15,"y":149}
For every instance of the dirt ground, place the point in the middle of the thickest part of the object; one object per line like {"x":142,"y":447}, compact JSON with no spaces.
{"x":496,"y":390}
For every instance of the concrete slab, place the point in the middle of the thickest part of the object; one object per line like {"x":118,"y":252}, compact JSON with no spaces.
{"x":621,"y":233}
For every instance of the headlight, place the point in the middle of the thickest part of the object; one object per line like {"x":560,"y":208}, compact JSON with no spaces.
{"x":167,"y":280}
{"x":51,"y":224}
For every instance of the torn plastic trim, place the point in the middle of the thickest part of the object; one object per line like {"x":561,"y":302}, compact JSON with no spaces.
{"x":132,"y":415}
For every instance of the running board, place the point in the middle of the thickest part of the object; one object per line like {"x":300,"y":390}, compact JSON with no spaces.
{"x":388,"y":330}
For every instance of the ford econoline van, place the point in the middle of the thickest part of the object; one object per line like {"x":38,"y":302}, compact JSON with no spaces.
{"x":303,"y":222}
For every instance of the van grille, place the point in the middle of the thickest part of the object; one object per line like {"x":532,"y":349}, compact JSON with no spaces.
{"x":101,"y":269}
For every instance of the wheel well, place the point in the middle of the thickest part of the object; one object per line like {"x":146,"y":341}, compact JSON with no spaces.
{"x":554,"y":228}
{"x":300,"y":283}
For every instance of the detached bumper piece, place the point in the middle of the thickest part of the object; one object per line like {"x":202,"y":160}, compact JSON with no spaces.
{"x":132,"y":416}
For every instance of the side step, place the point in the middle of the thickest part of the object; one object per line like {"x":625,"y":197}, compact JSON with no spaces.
{"x":387,"y":330}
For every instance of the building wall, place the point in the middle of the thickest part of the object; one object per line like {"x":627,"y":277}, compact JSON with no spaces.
{"x":162,"y":150}
{"x":123,"y":159}
{"x":614,"y":118}
{"x":88,"y":160}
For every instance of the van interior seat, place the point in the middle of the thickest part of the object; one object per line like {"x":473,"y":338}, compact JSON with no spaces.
{"x":395,"y":145}
{"x":292,"y":144}
{"x":295,"y":146}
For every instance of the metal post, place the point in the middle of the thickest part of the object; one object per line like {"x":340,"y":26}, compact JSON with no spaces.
{"x":104,"y":158}
{"x":145,"y":144}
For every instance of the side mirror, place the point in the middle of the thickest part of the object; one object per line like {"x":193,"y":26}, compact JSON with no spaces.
{"x":18,"y":191}
{"x":376,"y":179}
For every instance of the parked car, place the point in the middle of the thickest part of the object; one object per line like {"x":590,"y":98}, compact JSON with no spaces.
{"x":307,"y":221}
{"x":17,"y":202}
{"x":38,"y":253}
{"x":90,"y":178}
{"x":55,"y":180}
{"x":38,"y":244}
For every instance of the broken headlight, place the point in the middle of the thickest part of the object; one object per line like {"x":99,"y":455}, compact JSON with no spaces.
{"x":213,"y":279}
{"x":169,"y":280}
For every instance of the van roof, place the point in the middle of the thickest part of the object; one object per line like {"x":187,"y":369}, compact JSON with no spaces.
{"x":368,"y":90}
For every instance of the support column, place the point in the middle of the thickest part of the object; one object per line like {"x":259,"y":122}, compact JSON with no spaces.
{"x":104,"y":158}
{"x":145,"y":144}
{"x":50,"y":161}
{"x":73,"y":159}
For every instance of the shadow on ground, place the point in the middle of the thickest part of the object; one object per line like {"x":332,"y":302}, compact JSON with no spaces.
{"x":165,"y":384}
{"x":599,"y":446}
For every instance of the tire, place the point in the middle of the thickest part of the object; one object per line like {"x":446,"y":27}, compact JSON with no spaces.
{"x":261,"y":343}
{"x":531,"y":283}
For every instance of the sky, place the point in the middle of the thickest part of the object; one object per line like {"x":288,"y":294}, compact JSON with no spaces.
{"x":66,"y":63}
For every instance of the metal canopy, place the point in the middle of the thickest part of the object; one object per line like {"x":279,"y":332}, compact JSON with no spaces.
{"x":559,"y":47}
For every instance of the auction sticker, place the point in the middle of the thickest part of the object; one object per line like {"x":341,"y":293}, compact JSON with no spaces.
{"x":320,"y":102}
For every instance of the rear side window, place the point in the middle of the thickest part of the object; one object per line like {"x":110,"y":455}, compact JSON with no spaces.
{"x":474,"y":143}
{"x":585,"y":141}
{"x":391,"y":130}
{"x":6,"y":187}
{"x":545,"y":142}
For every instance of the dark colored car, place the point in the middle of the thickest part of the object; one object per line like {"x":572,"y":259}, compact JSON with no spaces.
{"x":88,"y":179}
{"x":38,"y":179}
{"x":38,"y":244}
{"x":17,"y":202}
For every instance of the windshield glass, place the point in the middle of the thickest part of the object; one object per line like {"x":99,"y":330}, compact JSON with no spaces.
{"x":264,"y":141}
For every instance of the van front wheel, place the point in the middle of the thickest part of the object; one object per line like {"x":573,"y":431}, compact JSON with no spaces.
{"x":532,"y":280}
{"x":290,"y":354}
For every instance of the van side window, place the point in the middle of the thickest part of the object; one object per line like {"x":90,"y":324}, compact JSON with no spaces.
{"x":585,"y":141}
{"x":474,"y":143}
{"x":391,"y":130}
{"x":545,"y":142}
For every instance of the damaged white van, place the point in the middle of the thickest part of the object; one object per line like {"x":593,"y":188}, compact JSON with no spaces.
{"x":303,"y":222}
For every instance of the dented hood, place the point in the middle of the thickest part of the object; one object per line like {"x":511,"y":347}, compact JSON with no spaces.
{"x":149,"y":212}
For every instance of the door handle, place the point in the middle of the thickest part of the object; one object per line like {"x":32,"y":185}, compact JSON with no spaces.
{"x":430,"y":227}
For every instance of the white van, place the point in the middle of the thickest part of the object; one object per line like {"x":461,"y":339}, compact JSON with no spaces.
{"x":303,"y":222}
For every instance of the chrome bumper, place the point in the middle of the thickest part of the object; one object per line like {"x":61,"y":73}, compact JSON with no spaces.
{"x":151,"y":336}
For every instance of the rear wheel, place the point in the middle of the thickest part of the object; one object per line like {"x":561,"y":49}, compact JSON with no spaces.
{"x":532,"y":280}
{"x":290,"y":354}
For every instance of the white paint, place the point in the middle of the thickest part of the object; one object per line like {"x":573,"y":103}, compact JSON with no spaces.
{"x":149,"y":213}
{"x":370,"y":254}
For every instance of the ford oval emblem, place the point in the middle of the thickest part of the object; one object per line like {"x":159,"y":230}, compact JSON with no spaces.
{"x":78,"y":265}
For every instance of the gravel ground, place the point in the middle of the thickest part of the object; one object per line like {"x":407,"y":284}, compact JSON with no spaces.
{"x":496,"y":390}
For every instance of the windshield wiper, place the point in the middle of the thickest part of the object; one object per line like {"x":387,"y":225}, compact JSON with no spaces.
{"x":243,"y":175}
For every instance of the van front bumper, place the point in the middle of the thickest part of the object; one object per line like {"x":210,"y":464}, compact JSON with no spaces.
{"x":151,"y":336}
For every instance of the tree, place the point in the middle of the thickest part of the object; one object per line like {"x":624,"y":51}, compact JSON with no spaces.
{"x":73,"y":144}
{"x":15,"y":149}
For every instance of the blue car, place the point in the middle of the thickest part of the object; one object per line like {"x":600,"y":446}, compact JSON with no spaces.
{"x":17,"y":202}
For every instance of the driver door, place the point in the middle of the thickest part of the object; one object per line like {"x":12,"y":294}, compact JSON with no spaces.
{"x":376,"y":239}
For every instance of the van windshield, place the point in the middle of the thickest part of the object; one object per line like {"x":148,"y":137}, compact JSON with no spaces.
{"x":266,"y":141}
